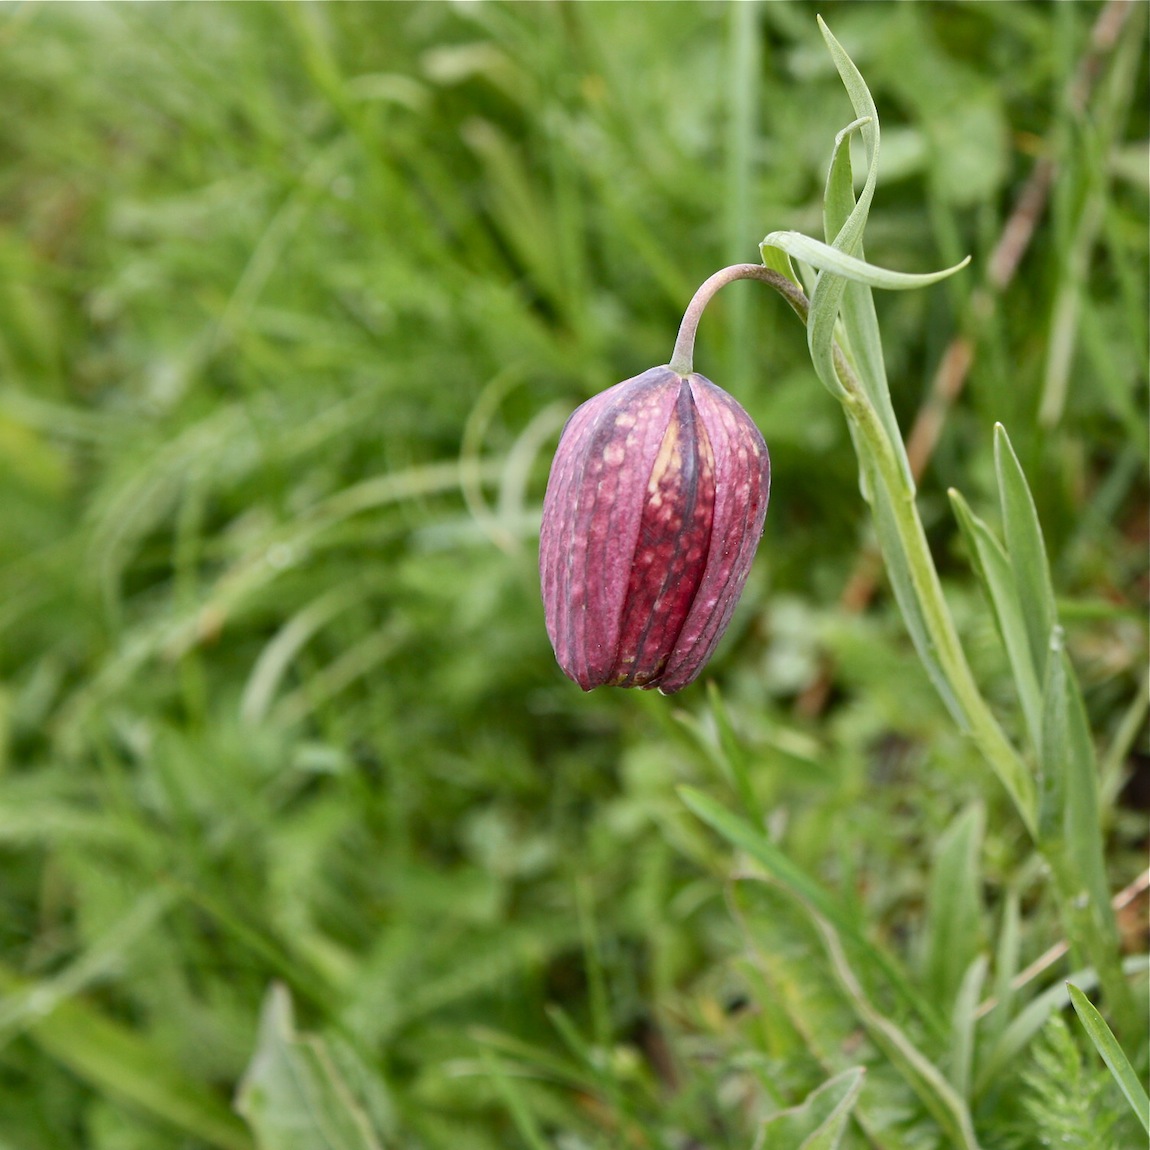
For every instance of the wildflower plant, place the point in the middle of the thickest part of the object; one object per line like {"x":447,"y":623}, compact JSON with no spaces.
{"x":653,"y":512}
{"x":304,"y":839}
{"x":594,"y":597}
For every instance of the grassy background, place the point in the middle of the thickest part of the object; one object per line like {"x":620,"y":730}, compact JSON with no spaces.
{"x":293,"y":302}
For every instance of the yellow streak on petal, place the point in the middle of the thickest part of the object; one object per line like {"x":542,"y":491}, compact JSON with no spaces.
{"x":667,"y":461}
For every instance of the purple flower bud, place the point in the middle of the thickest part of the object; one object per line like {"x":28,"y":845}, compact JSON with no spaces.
{"x":652,"y":515}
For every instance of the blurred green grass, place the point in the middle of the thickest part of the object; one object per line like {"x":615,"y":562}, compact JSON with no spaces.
{"x":293,"y":300}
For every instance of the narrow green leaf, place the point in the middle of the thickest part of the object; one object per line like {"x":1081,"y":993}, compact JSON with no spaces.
{"x":593,"y":960}
{"x":792,"y":877}
{"x":293,"y":1095}
{"x":963,"y":1021}
{"x":1070,"y":829}
{"x":860,"y":323}
{"x":844,"y":221}
{"x":1112,"y":1054}
{"x":1056,"y":757}
{"x":819,"y":1121}
{"x":1031,"y":1019}
{"x":848,"y":233}
{"x":583,"y":1050}
{"x":1027,"y":551}
{"x":1068,"y":760}
{"x":741,"y":834}
{"x":590,"y":1054}
{"x":824,"y":312}
{"x":516,"y":1104}
{"x":994,"y":571}
{"x":839,"y":195}
{"x":115,"y":1061}
{"x":545,"y":1062}
{"x":1005,"y":967}
{"x":839,"y":272}
{"x":830,"y":1133}
{"x":1114,"y":760}
{"x":919,"y":1073}
{"x":732,"y":752}
{"x":828,"y":294}
{"x":954,"y":905}
{"x":829,"y":259}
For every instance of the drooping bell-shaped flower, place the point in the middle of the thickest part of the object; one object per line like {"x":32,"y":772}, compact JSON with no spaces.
{"x":653,"y":512}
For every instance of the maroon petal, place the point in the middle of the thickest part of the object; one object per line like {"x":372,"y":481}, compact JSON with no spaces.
{"x":672,"y":548}
{"x":591,"y":517}
{"x":742,"y":486}
{"x":653,"y":511}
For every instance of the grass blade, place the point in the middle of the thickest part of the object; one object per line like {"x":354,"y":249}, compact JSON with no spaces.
{"x":992,"y":565}
{"x":115,"y":1061}
{"x":1112,"y":1054}
{"x":517,"y":1106}
{"x":1071,"y":829}
{"x":963,"y":1021}
{"x":810,"y":893}
{"x":731,"y":752}
{"x":293,"y":1095}
{"x":1027,"y":551}
{"x":954,"y":908}
{"x":742,"y":834}
{"x":923,"y":1077}
{"x":819,"y":1121}
{"x":1031,"y":1019}
{"x":998,"y":1011}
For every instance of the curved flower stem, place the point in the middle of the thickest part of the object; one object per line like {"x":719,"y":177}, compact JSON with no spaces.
{"x":974,"y":713}
{"x":683,"y":357}
{"x":892,"y":494}
{"x":880,"y":461}
{"x":1093,"y":928}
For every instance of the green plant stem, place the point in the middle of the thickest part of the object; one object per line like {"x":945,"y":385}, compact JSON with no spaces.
{"x":1090,"y":928}
{"x":975,"y":716}
{"x":1094,"y":934}
{"x":682,"y":358}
